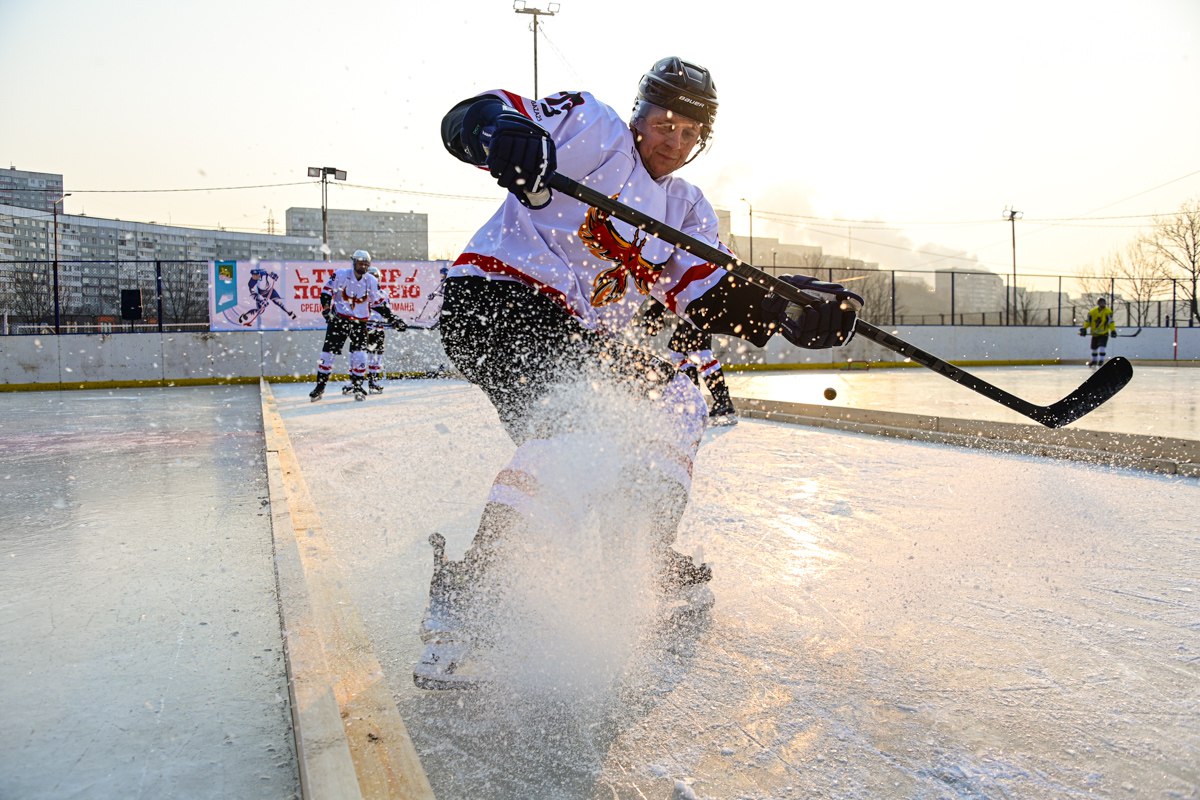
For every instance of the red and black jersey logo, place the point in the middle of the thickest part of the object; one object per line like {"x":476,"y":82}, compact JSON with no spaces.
{"x":604,"y":242}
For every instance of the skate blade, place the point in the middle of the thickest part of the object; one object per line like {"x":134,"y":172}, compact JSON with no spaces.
{"x":441,"y":668}
{"x":688,"y":604}
{"x":723,"y":420}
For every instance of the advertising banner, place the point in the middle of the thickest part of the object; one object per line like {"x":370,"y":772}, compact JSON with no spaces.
{"x":286,"y":295}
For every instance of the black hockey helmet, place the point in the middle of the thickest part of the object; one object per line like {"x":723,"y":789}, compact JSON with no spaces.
{"x":682,"y":87}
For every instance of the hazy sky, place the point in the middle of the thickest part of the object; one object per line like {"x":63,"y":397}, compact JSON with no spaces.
{"x":897,"y":132}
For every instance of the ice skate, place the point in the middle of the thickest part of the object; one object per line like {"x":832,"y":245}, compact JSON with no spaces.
{"x":347,"y":389}
{"x":443,"y":663}
{"x":356,"y":387}
{"x":723,"y":414}
{"x":684,"y":585}
{"x":318,"y":392}
{"x":375,"y":387}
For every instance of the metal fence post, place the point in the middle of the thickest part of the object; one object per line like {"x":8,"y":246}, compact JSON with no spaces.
{"x":158,"y":292}
{"x":893,"y":297}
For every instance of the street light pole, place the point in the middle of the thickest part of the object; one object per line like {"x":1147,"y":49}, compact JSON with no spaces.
{"x":57,"y":327}
{"x":1012,"y":215}
{"x":747,"y":202}
{"x":323,"y":173}
{"x":550,"y":10}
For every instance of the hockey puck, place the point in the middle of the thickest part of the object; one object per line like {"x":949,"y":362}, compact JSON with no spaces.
{"x":830,"y":393}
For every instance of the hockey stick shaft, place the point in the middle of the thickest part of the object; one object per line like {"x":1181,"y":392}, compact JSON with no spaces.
{"x":1102,"y":385}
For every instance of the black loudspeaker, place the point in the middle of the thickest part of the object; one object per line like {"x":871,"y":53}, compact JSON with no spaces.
{"x":131,"y":304}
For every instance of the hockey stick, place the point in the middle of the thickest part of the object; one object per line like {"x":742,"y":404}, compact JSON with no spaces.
{"x":1103,"y":383}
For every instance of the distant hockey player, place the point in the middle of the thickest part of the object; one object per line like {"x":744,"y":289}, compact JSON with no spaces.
{"x":541,"y":300}
{"x":1100,"y":325}
{"x":376,"y":339}
{"x":347,"y":300}
{"x":691,"y":353}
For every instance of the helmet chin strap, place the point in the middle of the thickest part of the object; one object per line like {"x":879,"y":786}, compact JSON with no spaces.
{"x":699,"y":149}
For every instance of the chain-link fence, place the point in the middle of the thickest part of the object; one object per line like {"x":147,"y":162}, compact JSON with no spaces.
{"x":895,"y":297}
{"x":42,"y":297}
{"x":132,"y":296}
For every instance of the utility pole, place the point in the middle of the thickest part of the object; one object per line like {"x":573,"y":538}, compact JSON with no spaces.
{"x":323,"y":173}
{"x":1012,"y":215}
{"x":550,"y":10}
{"x":56,"y":306}
{"x":747,"y":202}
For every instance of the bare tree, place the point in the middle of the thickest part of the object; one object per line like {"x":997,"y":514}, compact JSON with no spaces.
{"x":27,"y":292}
{"x":1025,"y":308}
{"x":1175,"y":240}
{"x":876,"y":290}
{"x":184,"y":291}
{"x":874,"y":287}
{"x":1139,"y":274}
{"x":812,"y":263}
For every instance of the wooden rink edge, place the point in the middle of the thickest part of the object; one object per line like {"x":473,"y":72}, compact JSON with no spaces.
{"x":350,"y":739}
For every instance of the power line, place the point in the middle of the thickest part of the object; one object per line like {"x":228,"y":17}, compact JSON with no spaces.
{"x":421,"y":194}
{"x":204,"y":189}
{"x":442,"y":195}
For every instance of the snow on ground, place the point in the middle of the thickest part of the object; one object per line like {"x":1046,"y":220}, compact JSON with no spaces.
{"x":893,"y":619}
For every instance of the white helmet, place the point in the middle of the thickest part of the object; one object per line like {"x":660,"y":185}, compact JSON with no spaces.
{"x":375,"y":271}
{"x":361,"y":256}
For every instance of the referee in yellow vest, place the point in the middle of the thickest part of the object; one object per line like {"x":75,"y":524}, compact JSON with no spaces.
{"x":1100,"y":324}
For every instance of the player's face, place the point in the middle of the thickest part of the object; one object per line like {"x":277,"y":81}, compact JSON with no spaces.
{"x":665,"y":140}
{"x":360,"y":268}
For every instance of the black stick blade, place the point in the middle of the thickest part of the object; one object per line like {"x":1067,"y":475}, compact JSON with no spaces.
{"x":1096,"y":390}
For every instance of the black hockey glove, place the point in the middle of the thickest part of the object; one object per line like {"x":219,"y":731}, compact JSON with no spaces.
{"x":827,"y":323}
{"x":393,"y":321}
{"x":327,"y":313}
{"x":518,"y":152}
{"x":1083,"y":331}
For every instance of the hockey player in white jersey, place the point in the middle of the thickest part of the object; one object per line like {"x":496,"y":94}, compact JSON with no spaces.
{"x":545,"y":291}
{"x":347,"y":300}
{"x":375,"y":346}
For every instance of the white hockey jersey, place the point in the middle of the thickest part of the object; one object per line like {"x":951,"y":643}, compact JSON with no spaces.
{"x":597,"y":268}
{"x":353,"y":297}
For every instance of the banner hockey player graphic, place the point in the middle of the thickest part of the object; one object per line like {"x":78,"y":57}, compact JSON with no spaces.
{"x":262,"y":288}
{"x":347,"y":300}
{"x":542,"y":300}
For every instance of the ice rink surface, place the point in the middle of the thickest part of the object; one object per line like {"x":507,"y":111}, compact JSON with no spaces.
{"x":140,"y":648}
{"x":1161,"y":401}
{"x":893,"y":619}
